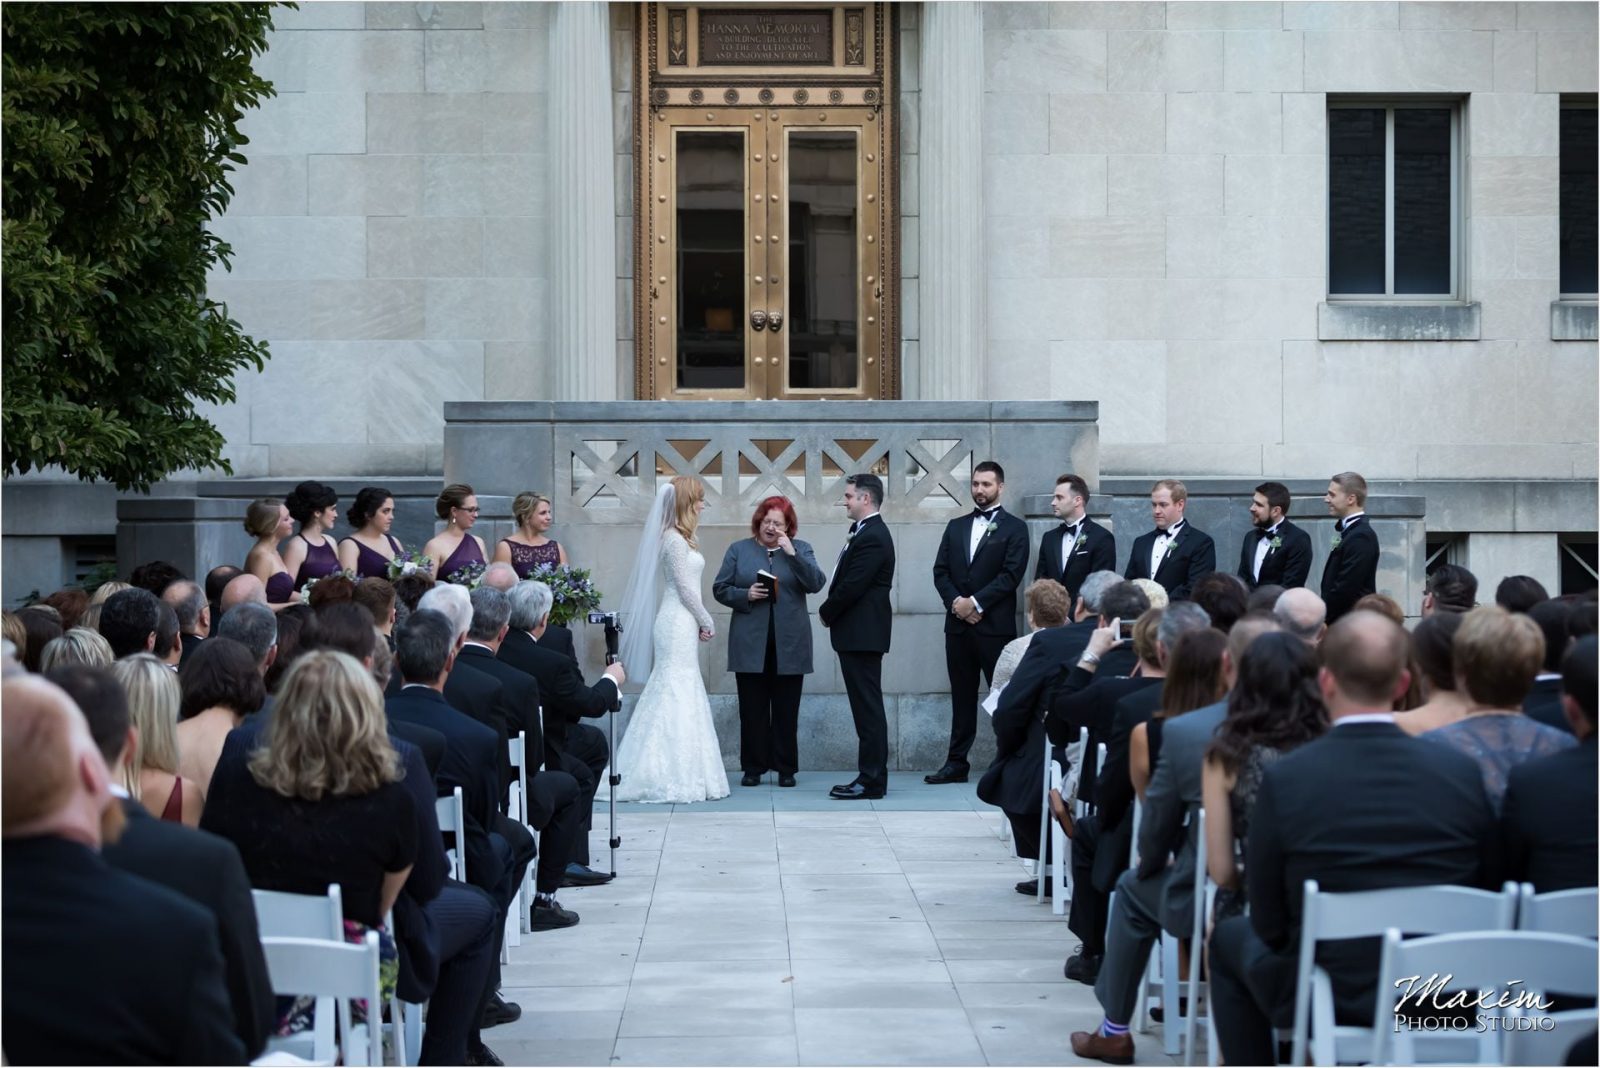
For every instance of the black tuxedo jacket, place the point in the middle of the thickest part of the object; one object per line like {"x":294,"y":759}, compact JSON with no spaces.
{"x":1114,"y":791}
{"x":1092,"y":706}
{"x":1351,"y":571}
{"x":479,"y":695}
{"x":206,"y":870}
{"x":1543,"y":703}
{"x":1097,"y":553}
{"x":190,"y":643}
{"x":103,"y":967}
{"x":857,"y":611}
{"x":566,"y":697}
{"x":1013,"y":780}
{"x":520,"y":695}
{"x":558,"y":638}
{"x":1365,"y":807}
{"x":992,"y":576}
{"x":1548,"y":818}
{"x":1288,"y":566}
{"x":1193,"y":554}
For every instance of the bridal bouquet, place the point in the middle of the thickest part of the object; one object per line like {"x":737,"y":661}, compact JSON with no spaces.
{"x":574,"y":591}
{"x":409,"y":564}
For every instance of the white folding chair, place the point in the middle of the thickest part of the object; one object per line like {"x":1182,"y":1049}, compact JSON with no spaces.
{"x":452,"y":812}
{"x":518,"y":807}
{"x":1060,"y":847}
{"x":1421,"y":910}
{"x":1204,"y":895}
{"x":336,"y":970}
{"x":1482,"y":961}
{"x":285,"y":915}
{"x":1568,"y":912}
{"x":405,"y":1019}
{"x":1540,"y":1046}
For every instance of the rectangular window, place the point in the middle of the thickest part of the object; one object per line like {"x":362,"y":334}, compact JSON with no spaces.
{"x":1578,"y":193}
{"x":1393,"y":200}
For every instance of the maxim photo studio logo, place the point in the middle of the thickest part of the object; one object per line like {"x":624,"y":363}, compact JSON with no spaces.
{"x":1434,"y":1003}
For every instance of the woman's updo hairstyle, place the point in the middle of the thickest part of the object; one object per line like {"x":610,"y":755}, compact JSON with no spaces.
{"x":366,"y":505}
{"x":309,"y":498}
{"x":261,"y":518}
{"x":452,"y":496}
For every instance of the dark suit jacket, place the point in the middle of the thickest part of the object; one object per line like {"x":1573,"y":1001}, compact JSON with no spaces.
{"x":1548,"y":817}
{"x":1113,"y":790}
{"x":1352,"y":569}
{"x":414,"y":934}
{"x":469,"y":690}
{"x":190,"y":643}
{"x":1193,"y":554}
{"x":103,"y":967}
{"x":207,"y":870}
{"x":1365,"y":807}
{"x":1543,"y":703}
{"x":991,"y":576}
{"x":1097,"y":553}
{"x":1014,"y":780}
{"x":1289,"y":565}
{"x":566,"y":697}
{"x":520,"y":696}
{"x":558,"y":639}
{"x":1093,"y":706}
{"x":857,"y":611}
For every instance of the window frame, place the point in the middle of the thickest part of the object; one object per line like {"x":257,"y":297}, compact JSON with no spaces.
{"x":1457,"y":265}
{"x":1573,"y":102}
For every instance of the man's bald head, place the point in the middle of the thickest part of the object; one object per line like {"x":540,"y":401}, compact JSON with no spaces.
{"x":1301,"y":613}
{"x":242,"y":588}
{"x":188,"y":600}
{"x":55,"y":779}
{"x":501,"y":577}
{"x":1364,"y":663}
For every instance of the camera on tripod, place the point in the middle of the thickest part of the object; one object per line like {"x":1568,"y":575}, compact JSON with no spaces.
{"x":613,"y":625}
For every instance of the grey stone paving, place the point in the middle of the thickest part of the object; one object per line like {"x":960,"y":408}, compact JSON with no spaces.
{"x":780,"y":927}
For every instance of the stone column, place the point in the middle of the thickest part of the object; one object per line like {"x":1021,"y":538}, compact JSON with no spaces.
{"x":582,"y":312}
{"x":951,"y":172}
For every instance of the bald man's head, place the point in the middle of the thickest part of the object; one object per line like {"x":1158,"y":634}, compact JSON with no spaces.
{"x":242,"y":588}
{"x":1245,"y":631}
{"x":501,"y":576}
{"x":55,"y":779}
{"x":1301,"y":613}
{"x":1364,"y":660}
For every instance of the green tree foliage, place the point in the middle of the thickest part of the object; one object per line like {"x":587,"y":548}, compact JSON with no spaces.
{"x":121,"y":127}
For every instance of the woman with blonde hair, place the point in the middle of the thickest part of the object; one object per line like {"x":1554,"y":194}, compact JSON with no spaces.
{"x":670,"y":752}
{"x":152,"y":768}
{"x":455,"y":547}
{"x":1153,"y":590}
{"x":531,"y":547}
{"x":267,"y":520}
{"x":97,"y":600}
{"x":80,"y":645}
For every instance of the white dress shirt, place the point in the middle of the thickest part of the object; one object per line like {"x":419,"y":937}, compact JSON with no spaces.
{"x":1264,"y":546}
{"x":1163,"y":542}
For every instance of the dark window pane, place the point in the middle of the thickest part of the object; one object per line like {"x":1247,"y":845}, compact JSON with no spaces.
{"x":1578,"y":194}
{"x":711,"y":267}
{"x":823,"y":280}
{"x":1422,"y":200}
{"x":1355,"y":200}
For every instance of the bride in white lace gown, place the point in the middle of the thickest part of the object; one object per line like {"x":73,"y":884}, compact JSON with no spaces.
{"x":670,"y":751}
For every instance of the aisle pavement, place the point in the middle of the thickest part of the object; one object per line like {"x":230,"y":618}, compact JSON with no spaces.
{"x":778,"y":927}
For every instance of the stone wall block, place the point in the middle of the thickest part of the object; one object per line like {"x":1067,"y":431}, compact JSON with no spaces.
{"x":1044,"y":61}
{"x":1514,"y":124}
{"x":512,"y":370}
{"x":423,"y":377}
{"x":269,"y":185}
{"x":425,"y":247}
{"x":1556,"y":390}
{"x":1566,"y":62}
{"x":1234,"y":459}
{"x":292,"y":123}
{"x":402,"y":16}
{"x":290,"y":247}
{"x":1378,"y":62}
{"x":1515,"y":185}
{"x":1229,"y":123}
{"x":1556,"y":16}
{"x":1112,"y":247}
{"x":367,"y":308}
{"x":1106,"y":16}
{"x":514,"y":246}
{"x":1353,"y":15}
{"x":1458,"y":16}
{"x":1224,"y":16}
{"x":334,"y":15}
{"x":365,"y":185}
{"x":1045,"y":185}
{"x":1495,"y":557}
{"x":1108,"y":123}
{"x":1263,"y":61}
{"x":1164,"y":185}
{"x":1204,"y":406}
{"x":1276,"y":185}
{"x":1128,"y":378}
{"x":425,"y":123}
{"x":1014,"y":123}
{"x":1515,"y":61}
{"x":1305,"y":124}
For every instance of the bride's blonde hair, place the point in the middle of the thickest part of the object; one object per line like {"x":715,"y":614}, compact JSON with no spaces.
{"x":687,"y":491}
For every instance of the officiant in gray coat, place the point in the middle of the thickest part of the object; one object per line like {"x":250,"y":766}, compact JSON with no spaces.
{"x":769,"y":638}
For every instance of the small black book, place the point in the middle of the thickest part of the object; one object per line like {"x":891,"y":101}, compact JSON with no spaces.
{"x":770,"y":581}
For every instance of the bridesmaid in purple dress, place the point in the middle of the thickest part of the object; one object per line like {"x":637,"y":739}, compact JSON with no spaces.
{"x":267,"y":520}
{"x":530,"y":547}
{"x":456,"y":546}
{"x":370,"y":549}
{"x":310,"y":554}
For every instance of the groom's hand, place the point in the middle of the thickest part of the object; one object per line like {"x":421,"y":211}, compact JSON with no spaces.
{"x":617,"y":674}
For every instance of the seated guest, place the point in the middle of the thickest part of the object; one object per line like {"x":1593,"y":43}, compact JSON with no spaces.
{"x":1193,"y":680}
{"x":292,"y":624}
{"x":102,"y":967}
{"x":202,"y":867}
{"x":1264,"y":598}
{"x":220,"y":686}
{"x":1431,"y":642}
{"x":468,"y":689}
{"x":1154,"y":591}
{"x":267,"y":520}
{"x":1275,"y":707}
{"x":1303,"y":614}
{"x":531,"y":547}
{"x":43,"y":626}
{"x":188,"y":600}
{"x":455,"y":547}
{"x":1088,"y":698}
{"x":1519,"y":593}
{"x":310,"y":554}
{"x":217,"y":580}
{"x":155,"y":576}
{"x":129,"y":621}
{"x":1422,"y":820}
{"x":1045,"y":605}
{"x":16,"y":633}
{"x":1550,"y":803}
{"x":1496,"y":655}
{"x":151,"y":765}
{"x":70,"y":604}
{"x":1225,"y":598}
{"x":500,"y":576}
{"x":243,"y":588}
{"x":168,"y":647}
{"x":1390,"y":608}
{"x":254,"y":626}
{"x":369,"y":551}
{"x":1449,"y":588}
{"x":97,"y":600}
{"x":408,"y":589}
{"x":331,"y":589}
{"x":1384,"y":605}
{"x":377,"y":596}
{"x":1555,"y":618}
{"x":80,"y":645}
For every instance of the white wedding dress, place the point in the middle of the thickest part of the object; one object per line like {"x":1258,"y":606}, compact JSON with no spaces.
{"x":670,"y":751}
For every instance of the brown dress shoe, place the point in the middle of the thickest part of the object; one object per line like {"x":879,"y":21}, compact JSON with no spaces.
{"x":1063,"y":814}
{"x":1097,"y":1047}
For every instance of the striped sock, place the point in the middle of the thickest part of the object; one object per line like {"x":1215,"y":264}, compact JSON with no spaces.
{"x":1111,"y":1030}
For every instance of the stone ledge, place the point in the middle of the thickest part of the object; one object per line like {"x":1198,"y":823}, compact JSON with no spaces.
{"x":687,"y":412}
{"x":1394,"y":321}
{"x":1573,"y":320}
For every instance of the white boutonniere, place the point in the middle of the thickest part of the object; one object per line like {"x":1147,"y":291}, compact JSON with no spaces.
{"x":1337,"y":538}
{"x":1277,"y":542}
{"x":1077,"y":544}
{"x":990,"y":527}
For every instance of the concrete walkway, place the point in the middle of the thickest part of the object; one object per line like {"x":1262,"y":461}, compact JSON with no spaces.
{"x":780,"y":927}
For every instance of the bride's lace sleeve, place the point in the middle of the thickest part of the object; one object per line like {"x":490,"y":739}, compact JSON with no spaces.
{"x":675,"y":554}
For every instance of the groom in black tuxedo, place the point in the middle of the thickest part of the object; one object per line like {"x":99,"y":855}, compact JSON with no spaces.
{"x":982,"y":559}
{"x":1079,"y":546}
{"x":1275,"y":552}
{"x":858,"y":616}
{"x":1352,"y":568}
{"x":1175,"y":554}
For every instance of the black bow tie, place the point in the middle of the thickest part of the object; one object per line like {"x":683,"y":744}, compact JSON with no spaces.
{"x":979,"y":513}
{"x":1071,"y":529}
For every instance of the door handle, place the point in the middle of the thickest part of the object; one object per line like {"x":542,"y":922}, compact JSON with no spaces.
{"x":758,"y":319}
{"x":775,"y":321}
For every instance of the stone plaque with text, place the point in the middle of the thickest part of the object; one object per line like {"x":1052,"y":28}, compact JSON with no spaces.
{"x":761,"y":38}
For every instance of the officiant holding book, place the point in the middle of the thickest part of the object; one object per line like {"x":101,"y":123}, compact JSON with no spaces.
{"x":765,"y":579}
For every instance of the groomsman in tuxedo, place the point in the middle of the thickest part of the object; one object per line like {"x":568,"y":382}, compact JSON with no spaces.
{"x":858,"y":616}
{"x":1079,"y":546}
{"x":1176,"y":553}
{"x":981,"y":561}
{"x":1275,"y":552}
{"x":1352,"y":568}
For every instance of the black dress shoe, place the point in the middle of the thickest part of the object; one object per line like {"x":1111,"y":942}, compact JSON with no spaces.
{"x":579,"y":875}
{"x":750,"y":779}
{"x":500,"y":1011}
{"x":856,"y":792}
{"x":844,"y":790}
{"x":1083,"y":966}
{"x":785,"y":780}
{"x":482,"y":1054}
{"x":1030,"y":888}
{"x":948,"y":773}
{"x":551,"y":917}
